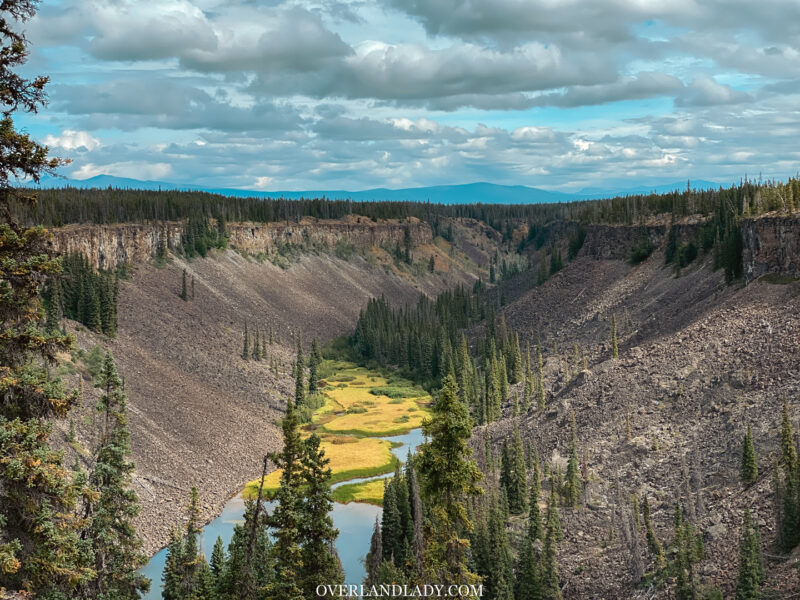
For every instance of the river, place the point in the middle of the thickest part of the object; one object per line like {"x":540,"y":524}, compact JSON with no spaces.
{"x":354,"y":522}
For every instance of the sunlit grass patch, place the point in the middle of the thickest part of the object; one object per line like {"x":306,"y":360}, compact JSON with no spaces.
{"x":369,"y":492}
{"x":363,"y":457}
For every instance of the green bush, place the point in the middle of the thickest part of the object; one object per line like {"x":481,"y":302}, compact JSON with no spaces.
{"x":686,"y":254}
{"x":94,"y":360}
{"x":396,"y":392}
{"x":642,"y":250}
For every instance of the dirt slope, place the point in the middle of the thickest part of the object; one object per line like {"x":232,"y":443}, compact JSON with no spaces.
{"x":698,"y":361}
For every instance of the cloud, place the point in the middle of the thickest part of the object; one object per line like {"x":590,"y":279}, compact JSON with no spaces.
{"x":73,"y":140}
{"x":644,"y":85}
{"x":130,"y":30}
{"x":309,"y":94}
{"x":133,"y":170}
{"x":705,"y":91}
{"x":443,"y":79}
{"x":292,"y":39}
{"x":129,"y":104}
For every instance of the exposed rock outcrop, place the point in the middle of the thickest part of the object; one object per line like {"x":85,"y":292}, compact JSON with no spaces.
{"x":109,"y":246}
{"x":771,"y":244}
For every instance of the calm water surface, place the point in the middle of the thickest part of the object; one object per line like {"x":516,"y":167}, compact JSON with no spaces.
{"x":354,"y":522}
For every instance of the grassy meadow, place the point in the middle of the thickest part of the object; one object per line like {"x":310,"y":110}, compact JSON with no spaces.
{"x":360,"y":406}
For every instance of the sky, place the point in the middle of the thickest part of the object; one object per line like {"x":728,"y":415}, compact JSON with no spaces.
{"x":345,"y":94}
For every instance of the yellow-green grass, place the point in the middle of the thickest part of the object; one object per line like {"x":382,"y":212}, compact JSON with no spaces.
{"x":353,"y":409}
{"x":351,"y":419}
{"x":351,"y":457}
{"x":369,"y":492}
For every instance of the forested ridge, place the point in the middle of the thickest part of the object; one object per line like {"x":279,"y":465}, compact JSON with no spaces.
{"x":57,"y":207}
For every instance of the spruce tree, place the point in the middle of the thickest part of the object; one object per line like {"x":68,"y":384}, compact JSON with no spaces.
{"x":117,"y":547}
{"x":614,"y":347}
{"x":218,"y":559}
{"x":391,"y":534}
{"x":374,"y":557}
{"x":40,"y":549}
{"x":248,"y":568}
{"x":749,"y":460}
{"x":540,"y":399}
{"x":193,"y":559}
{"x":171,"y":577}
{"x":184,"y":295}
{"x":535,"y":529}
{"x":299,"y":376}
{"x":448,"y":476}
{"x":313,"y":366}
{"x":246,"y":347}
{"x":751,"y":575}
{"x":573,"y":485}
{"x":528,"y":585}
{"x":553,"y":521}
{"x":317,"y":533}
{"x":500,"y":575}
{"x":652,"y":541}
{"x":285,"y":519}
{"x":549,"y":578}
{"x":256,"y":346}
{"x":518,"y":486}
{"x":790,"y":526}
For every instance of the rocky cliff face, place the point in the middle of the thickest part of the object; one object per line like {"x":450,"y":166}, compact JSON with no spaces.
{"x":771,"y":244}
{"x":617,"y":241}
{"x":109,"y":246}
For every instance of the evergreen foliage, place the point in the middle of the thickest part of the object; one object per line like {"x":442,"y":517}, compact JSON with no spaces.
{"x":652,"y":541}
{"x":614,"y":346}
{"x":751,"y":562}
{"x":749,"y":460}
{"x":299,"y":376}
{"x":573,"y":485}
{"x":317,"y":533}
{"x":41,"y":550}
{"x":83,"y":295}
{"x":448,"y":476}
{"x":117,"y":548}
{"x":287,"y":515}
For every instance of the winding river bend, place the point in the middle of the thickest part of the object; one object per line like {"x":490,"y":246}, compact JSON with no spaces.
{"x":354,"y":521}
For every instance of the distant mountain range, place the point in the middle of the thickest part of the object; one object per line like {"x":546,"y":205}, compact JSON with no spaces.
{"x":470,"y":193}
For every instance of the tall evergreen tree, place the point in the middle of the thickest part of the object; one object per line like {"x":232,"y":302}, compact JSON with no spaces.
{"x":448,"y":476}
{"x":317,"y":533}
{"x":573,"y":485}
{"x":374,"y":557}
{"x":117,"y":547}
{"x":553,"y":522}
{"x":614,"y":346}
{"x":286,"y":517}
{"x":171,"y":576}
{"x":314,"y":361}
{"x":790,"y":525}
{"x":549,"y":578}
{"x":535,"y":529}
{"x":652,"y":541}
{"x":518,"y":486}
{"x":751,"y":565}
{"x":528,"y":585}
{"x":246,"y":347}
{"x":391,"y":528}
{"x":749,"y":460}
{"x":299,"y":376}
{"x":40,"y":549}
{"x":184,"y":294}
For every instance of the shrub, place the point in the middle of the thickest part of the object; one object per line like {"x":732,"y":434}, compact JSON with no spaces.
{"x":642,"y":250}
{"x":396,"y":392}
